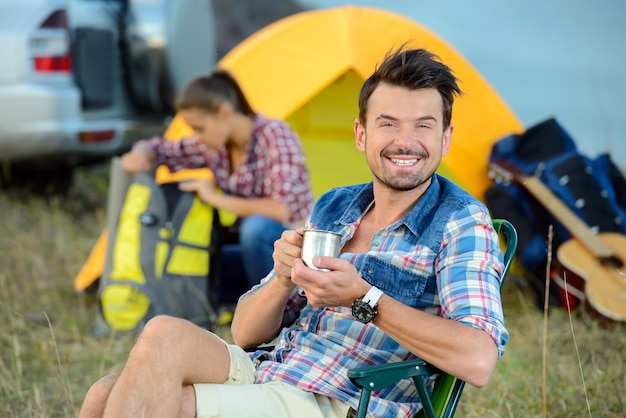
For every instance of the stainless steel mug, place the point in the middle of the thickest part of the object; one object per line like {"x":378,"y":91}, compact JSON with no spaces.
{"x":319,"y":243}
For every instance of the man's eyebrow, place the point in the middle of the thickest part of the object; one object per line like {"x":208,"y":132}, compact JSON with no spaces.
{"x":426,"y":118}
{"x":387,"y":117}
{"x":420,"y":119}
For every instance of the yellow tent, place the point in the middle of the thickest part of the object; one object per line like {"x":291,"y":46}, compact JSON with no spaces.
{"x":308,"y":69}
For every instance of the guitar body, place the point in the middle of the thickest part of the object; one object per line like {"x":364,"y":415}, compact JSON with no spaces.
{"x":602,"y":281}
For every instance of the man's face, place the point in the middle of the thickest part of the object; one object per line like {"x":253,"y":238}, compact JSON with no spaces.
{"x":404,"y":138}
{"x":209,"y":128}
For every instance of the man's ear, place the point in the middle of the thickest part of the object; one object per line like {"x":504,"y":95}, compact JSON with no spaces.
{"x":359,"y":135}
{"x":446,"y":141}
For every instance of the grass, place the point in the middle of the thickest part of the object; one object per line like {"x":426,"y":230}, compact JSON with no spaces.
{"x":516,"y":389}
{"x":48,"y":357}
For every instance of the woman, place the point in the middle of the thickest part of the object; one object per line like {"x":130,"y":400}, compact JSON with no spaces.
{"x":259,"y":169}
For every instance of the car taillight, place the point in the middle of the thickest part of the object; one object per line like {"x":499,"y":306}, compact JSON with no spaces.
{"x":96,"y":136}
{"x":52,"y":64}
{"x":50,"y":45}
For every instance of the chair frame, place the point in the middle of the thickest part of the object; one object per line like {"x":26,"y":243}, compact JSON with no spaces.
{"x":447,"y":390}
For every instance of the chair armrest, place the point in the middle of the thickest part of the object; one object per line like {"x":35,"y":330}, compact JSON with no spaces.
{"x":372,"y":378}
{"x":377,"y":377}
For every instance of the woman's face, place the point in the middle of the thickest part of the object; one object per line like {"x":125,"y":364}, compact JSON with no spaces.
{"x":212,"y":129}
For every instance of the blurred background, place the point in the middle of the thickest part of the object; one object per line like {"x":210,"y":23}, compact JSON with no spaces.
{"x":88,"y":77}
{"x":546,"y":59}
{"x":559,"y":59}
{"x":82,"y":79}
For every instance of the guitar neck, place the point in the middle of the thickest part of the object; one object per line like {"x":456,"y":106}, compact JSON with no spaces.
{"x":567,"y":217}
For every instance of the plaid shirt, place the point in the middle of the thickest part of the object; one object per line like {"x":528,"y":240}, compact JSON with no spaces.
{"x":274,"y":165}
{"x":443,"y":257}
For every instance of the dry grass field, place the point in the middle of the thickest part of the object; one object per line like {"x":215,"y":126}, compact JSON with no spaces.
{"x":48,"y":357}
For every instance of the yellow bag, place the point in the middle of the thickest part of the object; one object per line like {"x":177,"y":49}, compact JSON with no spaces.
{"x":158,"y":258}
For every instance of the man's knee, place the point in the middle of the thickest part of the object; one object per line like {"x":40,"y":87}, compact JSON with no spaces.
{"x":161,"y":329}
{"x":97,"y":395}
{"x":160,"y":334}
{"x":102,"y":388}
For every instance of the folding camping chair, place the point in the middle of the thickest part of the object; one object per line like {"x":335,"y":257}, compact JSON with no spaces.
{"x":447,"y":389}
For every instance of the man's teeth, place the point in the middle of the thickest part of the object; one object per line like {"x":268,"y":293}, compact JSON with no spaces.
{"x":404,"y":162}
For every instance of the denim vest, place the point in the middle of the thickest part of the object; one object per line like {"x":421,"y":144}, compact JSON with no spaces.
{"x":417,"y":236}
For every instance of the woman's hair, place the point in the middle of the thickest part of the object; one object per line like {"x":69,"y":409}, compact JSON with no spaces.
{"x":209,"y":92}
{"x":412,"y":69}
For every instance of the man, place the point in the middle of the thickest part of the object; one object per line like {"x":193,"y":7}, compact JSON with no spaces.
{"x":418,"y":275}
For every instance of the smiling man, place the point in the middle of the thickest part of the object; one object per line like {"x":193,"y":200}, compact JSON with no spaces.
{"x":418,"y":275}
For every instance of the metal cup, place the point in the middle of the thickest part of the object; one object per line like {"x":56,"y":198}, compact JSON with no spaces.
{"x":319,"y":243}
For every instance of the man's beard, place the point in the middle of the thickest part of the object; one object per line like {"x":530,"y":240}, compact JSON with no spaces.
{"x":404,"y":186}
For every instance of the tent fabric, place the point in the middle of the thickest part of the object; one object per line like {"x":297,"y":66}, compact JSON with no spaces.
{"x":308,"y":69}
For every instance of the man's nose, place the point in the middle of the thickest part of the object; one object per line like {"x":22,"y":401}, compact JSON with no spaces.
{"x":404,"y":136}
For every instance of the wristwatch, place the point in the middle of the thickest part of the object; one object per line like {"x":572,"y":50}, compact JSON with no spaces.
{"x":364,"y":309}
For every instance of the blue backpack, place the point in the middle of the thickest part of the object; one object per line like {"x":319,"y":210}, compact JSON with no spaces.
{"x":594,"y":190}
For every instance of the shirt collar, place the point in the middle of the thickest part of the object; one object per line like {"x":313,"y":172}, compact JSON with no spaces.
{"x":415,"y":220}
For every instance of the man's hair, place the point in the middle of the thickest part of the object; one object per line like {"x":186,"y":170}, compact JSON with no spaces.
{"x":412,"y":69}
{"x":209,"y":92}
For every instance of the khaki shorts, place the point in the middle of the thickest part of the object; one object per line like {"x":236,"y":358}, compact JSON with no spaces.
{"x":239,"y":397}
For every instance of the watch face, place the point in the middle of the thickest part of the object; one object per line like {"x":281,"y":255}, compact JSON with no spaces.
{"x":362,"y":311}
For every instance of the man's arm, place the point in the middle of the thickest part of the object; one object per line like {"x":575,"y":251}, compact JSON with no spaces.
{"x":259,"y":313}
{"x":463,"y":351}
{"x":463,"y":341}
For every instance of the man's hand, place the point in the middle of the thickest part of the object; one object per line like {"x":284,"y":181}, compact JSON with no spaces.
{"x":259,"y":314}
{"x":340,"y":286}
{"x":287,"y":249}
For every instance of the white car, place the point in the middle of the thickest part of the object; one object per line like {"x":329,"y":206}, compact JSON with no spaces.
{"x":81,"y":79}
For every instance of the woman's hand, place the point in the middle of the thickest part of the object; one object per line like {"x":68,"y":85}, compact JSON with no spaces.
{"x":206,"y":189}
{"x":135,"y":162}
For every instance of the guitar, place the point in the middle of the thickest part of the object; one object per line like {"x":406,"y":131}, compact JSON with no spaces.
{"x":595,"y":260}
